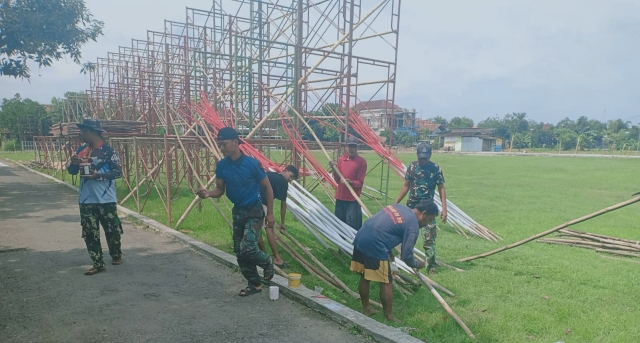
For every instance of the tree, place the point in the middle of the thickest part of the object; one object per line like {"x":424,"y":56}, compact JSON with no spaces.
{"x":43,"y":31}
{"x":460,"y":123}
{"x":424,"y":133}
{"x":564,"y":135}
{"x":438,"y":120}
{"x":616,"y":132}
{"x":23,"y":117}
{"x":495,"y":123}
{"x":515,"y":123}
{"x":521,"y":140}
{"x":583,"y":131}
{"x":72,"y":108}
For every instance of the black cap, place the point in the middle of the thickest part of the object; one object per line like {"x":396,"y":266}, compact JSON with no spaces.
{"x":293,"y":170}
{"x":351,"y":140}
{"x":91,"y":124}
{"x":228,"y":133}
{"x":424,"y":150}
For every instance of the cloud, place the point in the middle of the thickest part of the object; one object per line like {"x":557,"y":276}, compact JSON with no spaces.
{"x":476,"y":58}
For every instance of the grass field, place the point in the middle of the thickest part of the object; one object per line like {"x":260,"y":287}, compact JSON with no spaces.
{"x":534,"y":293}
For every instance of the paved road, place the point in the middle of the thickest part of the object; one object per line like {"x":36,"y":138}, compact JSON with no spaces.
{"x":162,"y":292}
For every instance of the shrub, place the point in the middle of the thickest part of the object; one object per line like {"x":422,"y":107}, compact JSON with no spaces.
{"x":10,"y":146}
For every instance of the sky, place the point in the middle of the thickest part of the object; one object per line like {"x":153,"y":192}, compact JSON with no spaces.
{"x":551,"y":59}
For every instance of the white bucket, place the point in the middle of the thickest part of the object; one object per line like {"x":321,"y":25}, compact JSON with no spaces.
{"x":274,"y":292}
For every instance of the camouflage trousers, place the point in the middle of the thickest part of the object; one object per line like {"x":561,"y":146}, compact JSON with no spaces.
{"x":429,"y":235}
{"x":91,"y":217}
{"x":247,"y":227}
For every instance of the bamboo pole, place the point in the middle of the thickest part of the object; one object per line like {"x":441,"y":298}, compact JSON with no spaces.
{"x":198,"y":177}
{"x":601,"y":236}
{"x":623,"y":253}
{"x":342,"y":179}
{"x":588,"y":244}
{"x":618,"y":259}
{"x":427,"y":282}
{"x":306,"y":264}
{"x":542,"y":234}
{"x":608,"y":240}
{"x":440,"y":263}
{"x":322,"y":266}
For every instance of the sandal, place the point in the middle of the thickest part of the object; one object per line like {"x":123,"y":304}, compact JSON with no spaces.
{"x":251,"y":289}
{"x":283,"y":265}
{"x":94,"y":270}
{"x":116,"y":261}
{"x":270,"y":271}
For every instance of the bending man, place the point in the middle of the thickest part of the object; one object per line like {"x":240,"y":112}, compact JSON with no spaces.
{"x":373,"y":245}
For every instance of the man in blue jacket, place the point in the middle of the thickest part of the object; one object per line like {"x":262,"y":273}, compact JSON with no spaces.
{"x":241,"y":176}
{"x":97,"y":196}
{"x":373,"y":245}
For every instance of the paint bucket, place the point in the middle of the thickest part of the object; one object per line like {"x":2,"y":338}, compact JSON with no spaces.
{"x":274,"y":292}
{"x":294,"y":280}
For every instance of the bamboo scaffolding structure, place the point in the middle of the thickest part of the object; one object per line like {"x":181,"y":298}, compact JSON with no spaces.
{"x":304,"y":77}
{"x":557,"y":228}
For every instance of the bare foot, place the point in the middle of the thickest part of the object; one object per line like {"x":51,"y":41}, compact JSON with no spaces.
{"x":278,"y":262}
{"x":369,"y":311}
{"x":393,"y":319}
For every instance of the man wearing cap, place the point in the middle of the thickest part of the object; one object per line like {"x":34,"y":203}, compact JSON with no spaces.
{"x":241,"y":176}
{"x":353,"y":168}
{"x":280,"y":186}
{"x":421,"y":180}
{"x":100,"y":166}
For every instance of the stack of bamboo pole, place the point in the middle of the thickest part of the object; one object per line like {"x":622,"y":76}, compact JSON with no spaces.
{"x":110,"y":126}
{"x":600,"y":243}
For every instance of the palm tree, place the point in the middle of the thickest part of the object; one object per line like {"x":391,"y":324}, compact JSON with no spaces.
{"x":584,"y":132}
{"x":562,"y":135}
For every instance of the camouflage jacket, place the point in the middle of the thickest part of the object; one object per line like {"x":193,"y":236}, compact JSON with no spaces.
{"x":423,"y":181}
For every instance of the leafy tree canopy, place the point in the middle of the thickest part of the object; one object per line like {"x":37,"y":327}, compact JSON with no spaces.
{"x":43,"y":31}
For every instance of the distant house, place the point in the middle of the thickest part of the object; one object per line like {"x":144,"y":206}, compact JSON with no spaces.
{"x":472,"y":140}
{"x":377,"y":114}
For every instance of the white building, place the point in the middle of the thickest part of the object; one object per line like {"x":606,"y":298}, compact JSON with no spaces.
{"x":377,"y":114}
{"x":472,"y":140}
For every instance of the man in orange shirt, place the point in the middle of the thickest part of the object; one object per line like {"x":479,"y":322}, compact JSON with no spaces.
{"x":353,"y":168}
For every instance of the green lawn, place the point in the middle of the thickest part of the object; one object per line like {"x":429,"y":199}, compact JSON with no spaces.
{"x":533,"y":293}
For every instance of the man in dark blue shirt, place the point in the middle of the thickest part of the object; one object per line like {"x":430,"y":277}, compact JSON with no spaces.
{"x":373,"y":245}
{"x":240,"y":176}
{"x":280,"y":185}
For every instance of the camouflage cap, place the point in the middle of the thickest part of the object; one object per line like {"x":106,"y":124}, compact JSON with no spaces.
{"x":424,"y":150}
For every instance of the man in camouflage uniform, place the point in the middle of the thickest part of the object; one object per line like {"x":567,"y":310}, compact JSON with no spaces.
{"x":240,"y":177}
{"x":420,"y":182}
{"x":97,"y":196}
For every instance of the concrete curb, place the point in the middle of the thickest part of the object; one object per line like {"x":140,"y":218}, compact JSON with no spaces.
{"x":334,"y":310}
